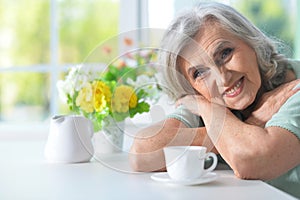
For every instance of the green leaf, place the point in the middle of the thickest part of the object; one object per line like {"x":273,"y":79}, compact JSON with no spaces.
{"x":142,"y":94}
{"x":140,"y":108}
{"x":119,"y":116}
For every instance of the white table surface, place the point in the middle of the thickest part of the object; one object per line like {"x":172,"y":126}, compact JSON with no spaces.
{"x":24,"y":174}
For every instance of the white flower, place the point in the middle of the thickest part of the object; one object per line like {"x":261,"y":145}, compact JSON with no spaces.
{"x":62,"y":90}
{"x":148,"y":84}
{"x":80,"y":81}
{"x":77,"y":78}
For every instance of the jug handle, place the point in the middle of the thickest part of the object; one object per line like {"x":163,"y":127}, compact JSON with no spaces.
{"x":58,"y":118}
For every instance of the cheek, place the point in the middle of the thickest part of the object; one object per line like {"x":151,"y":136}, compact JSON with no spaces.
{"x":258,"y":77}
{"x":203,"y":89}
{"x":254,"y":77}
{"x":248,"y":65}
{"x":252,"y":67}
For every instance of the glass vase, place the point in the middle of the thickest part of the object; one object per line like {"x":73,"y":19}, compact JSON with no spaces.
{"x":110,"y":138}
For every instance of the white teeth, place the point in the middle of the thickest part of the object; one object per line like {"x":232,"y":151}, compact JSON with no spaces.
{"x":235,"y":88}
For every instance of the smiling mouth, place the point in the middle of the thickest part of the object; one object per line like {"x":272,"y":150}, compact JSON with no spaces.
{"x":235,"y":90}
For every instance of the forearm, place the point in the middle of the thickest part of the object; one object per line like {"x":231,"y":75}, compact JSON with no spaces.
{"x":251,"y":151}
{"x":147,"y":150}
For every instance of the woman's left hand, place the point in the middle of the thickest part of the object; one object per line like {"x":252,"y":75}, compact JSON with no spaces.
{"x":194,"y":103}
{"x":271,"y":102}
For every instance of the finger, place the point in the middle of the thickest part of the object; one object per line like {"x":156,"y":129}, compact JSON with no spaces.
{"x":286,"y":96}
{"x":293,"y":84}
{"x":288,"y":86}
{"x":192,"y":102}
{"x":284,"y":90}
{"x":182,"y":100}
{"x":293,"y":91}
{"x":178,"y":103}
{"x":297,"y":87}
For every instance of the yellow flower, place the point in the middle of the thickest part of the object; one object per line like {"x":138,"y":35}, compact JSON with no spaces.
{"x":85,"y":98}
{"x":123,"y":99}
{"x":102,"y":95}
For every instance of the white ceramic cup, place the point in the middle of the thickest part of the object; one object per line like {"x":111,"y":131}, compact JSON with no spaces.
{"x":187,"y":162}
{"x":69,"y":139}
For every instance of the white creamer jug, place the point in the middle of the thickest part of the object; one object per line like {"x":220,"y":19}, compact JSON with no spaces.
{"x":69,"y":139}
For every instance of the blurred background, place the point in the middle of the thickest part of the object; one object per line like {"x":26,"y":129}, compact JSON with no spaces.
{"x":41,"y":39}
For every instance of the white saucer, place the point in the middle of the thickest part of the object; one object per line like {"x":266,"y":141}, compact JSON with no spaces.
{"x":164,"y":177}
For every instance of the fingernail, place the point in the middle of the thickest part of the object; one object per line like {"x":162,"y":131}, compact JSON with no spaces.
{"x":297,"y":87}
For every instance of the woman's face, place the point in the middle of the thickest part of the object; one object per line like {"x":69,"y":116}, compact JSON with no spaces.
{"x":223,"y":66}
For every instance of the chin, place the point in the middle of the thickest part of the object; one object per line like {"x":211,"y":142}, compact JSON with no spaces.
{"x":239,"y":106}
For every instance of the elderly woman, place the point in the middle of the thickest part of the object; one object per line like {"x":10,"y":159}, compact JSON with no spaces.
{"x":232,"y":94}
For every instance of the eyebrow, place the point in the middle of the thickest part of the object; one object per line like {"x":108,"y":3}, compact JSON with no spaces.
{"x":220,"y":46}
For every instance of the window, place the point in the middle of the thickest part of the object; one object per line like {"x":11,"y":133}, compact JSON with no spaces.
{"x":39,"y":41}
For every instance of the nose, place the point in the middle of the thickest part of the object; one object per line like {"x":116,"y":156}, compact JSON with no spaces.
{"x":223,"y":76}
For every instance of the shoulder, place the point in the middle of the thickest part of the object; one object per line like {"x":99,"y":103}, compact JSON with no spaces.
{"x":295,"y":65}
{"x":288,"y":116}
{"x":185,"y":116}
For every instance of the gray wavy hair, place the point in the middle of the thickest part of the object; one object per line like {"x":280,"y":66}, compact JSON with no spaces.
{"x":184,"y":27}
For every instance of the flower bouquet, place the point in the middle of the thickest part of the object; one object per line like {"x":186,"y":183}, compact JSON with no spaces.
{"x":122,"y":89}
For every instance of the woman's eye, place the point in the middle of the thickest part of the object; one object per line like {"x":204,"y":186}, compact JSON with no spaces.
{"x":200,"y":73}
{"x":223,"y":56}
{"x":225,"y":53}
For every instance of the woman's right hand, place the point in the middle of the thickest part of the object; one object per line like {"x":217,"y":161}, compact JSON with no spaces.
{"x":270,"y":103}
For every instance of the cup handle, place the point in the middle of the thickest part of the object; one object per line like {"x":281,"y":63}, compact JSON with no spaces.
{"x":215,"y":161}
